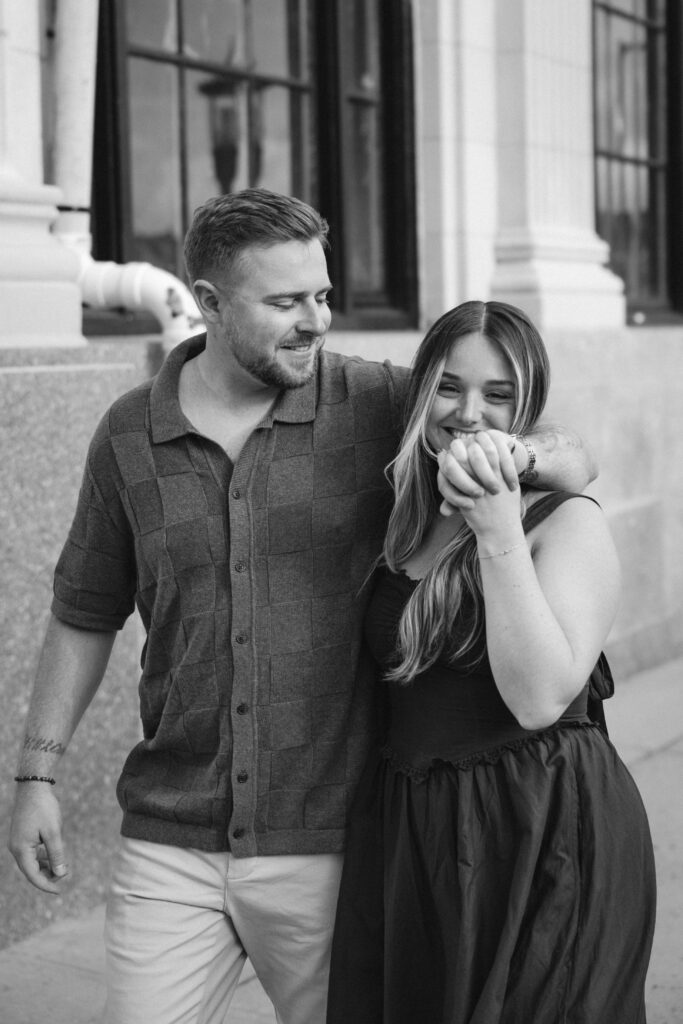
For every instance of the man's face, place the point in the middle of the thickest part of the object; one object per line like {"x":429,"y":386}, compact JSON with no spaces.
{"x":273,"y":312}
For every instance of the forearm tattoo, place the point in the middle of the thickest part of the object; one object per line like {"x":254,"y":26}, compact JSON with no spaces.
{"x":44,"y":746}
{"x":551,"y":437}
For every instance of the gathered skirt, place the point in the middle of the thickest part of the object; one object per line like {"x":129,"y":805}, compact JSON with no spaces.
{"x":516,"y":886}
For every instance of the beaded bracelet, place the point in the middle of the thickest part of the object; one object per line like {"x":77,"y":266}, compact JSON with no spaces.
{"x":35,"y":778}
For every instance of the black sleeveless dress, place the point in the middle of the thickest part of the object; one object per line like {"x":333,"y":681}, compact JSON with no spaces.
{"x":492,"y":875}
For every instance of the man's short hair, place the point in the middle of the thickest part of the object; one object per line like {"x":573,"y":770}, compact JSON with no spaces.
{"x":224,"y":226}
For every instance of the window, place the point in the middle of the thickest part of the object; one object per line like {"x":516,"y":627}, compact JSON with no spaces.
{"x":634,"y":153}
{"x":200,"y":97}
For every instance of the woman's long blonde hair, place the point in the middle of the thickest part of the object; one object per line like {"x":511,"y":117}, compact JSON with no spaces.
{"x":426,"y":625}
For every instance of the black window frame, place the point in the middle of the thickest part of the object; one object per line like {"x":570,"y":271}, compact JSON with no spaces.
{"x":397,"y":307}
{"x":642,"y":309}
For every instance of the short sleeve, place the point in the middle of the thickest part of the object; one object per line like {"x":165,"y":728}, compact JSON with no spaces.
{"x":95,"y":578}
{"x":399,"y":381}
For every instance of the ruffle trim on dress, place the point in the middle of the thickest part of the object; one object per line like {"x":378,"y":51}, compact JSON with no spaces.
{"x":491,"y":756}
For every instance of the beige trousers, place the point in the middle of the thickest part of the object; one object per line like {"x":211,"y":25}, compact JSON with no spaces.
{"x":181,"y":923}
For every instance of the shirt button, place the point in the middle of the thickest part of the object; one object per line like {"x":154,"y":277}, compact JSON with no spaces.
{"x":242,"y":709}
{"x":240,"y":566}
{"x":238,"y":833}
{"x":242,"y":777}
{"x":237,"y":493}
{"x":242,"y":638}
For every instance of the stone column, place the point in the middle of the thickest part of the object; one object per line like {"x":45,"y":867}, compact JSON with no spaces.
{"x":39,"y":295}
{"x":549,"y":259}
{"x":455,"y":105}
{"x":74,"y":74}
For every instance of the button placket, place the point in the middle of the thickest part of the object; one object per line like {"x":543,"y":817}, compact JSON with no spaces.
{"x":240,"y":567}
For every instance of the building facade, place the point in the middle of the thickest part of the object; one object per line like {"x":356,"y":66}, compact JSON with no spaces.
{"x":529,"y":151}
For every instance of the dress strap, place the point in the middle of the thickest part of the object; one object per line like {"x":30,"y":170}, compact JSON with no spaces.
{"x":542,"y":508}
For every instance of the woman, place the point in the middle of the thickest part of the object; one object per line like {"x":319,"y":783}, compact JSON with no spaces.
{"x":499,"y":867}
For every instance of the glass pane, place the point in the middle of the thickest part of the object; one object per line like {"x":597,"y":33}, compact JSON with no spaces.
{"x":301,"y":38}
{"x":603,"y":200}
{"x":155,"y":164}
{"x":281,"y":141}
{"x":639,"y":8}
{"x":656,"y":268}
{"x":363,"y":149}
{"x":278,"y":39}
{"x":657,"y":106}
{"x":152,"y":23}
{"x":624,"y":217}
{"x":217,"y":134}
{"x":602,"y":79}
{"x":621,"y":87}
{"x":366,"y":241}
{"x":631,"y":113}
{"x":364,"y":40}
{"x":215,"y":30}
{"x":631,"y":205}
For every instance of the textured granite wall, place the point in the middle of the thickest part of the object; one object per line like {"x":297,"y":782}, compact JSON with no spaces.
{"x":50,"y":403}
{"x":623,"y":390}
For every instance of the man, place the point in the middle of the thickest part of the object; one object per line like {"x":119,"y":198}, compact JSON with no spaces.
{"x":238,"y":500}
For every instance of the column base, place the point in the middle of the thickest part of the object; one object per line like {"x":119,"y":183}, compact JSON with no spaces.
{"x":40,"y":314}
{"x":40,"y":296}
{"x":559,"y":281}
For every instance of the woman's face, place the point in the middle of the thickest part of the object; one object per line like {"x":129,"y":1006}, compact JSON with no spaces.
{"x":477,"y":391}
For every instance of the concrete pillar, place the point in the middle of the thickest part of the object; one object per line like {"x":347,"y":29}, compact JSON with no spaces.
{"x":75,"y":71}
{"x":456,"y":157}
{"x":549,"y":259}
{"x":39,"y":295}
{"x":435,"y":49}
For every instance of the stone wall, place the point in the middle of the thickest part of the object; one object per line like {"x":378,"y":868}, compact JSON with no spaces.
{"x":50,"y":403}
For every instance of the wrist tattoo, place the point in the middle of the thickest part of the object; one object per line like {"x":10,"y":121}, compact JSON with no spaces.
{"x":44,"y":746}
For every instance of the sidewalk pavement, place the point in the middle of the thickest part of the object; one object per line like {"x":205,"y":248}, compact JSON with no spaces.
{"x":56,"y":976}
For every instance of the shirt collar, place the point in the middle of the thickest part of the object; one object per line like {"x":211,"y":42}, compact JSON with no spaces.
{"x":293,"y":405}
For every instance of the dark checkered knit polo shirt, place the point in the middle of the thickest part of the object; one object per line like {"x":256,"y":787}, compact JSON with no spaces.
{"x":255,"y":694}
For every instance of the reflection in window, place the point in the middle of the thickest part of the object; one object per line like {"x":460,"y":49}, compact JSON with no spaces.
{"x":272,"y":122}
{"x":155,"y":165}
{"x":631,"y":144}
{"x":153,"y":24}
{"x":279,"y":42}
{"x":366,"y":225}
{"x":220,"y":99}
{"x":217,"y":158}
{"x":215,"y":31}
{"x":312,"y":98}
{"x":363,"y":143}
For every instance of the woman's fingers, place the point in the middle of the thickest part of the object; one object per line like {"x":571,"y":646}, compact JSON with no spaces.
{"x":505,"y":446}
{"x":455,"y":468}
{"x":484,"y":462}
{"x":467,"y":472}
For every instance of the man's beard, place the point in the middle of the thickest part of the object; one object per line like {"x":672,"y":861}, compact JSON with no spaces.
{"x":267,"y":369}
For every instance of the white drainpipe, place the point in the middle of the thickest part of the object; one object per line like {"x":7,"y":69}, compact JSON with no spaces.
{"x":104,"y":285}
{"x":142,"y":286}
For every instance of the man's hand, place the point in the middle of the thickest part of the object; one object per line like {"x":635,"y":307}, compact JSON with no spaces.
{"x":467,"y":472}
{"x":36,"y":836}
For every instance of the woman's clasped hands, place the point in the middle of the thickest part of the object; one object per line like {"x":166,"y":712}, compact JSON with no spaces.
{"x":480,"y":479}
